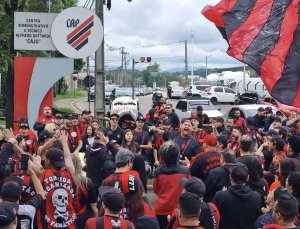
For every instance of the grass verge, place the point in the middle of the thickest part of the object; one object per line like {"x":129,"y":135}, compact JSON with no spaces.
{"x":71,"y":95}
{"x":64,"y":109}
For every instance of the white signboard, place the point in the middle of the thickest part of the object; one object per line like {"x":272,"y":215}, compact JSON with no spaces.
{"x":32,"y":31}
{"x":77,"y":32}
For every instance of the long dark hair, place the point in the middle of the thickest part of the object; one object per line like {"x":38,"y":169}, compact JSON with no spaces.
{"x":294,"y":182}
{"x":134,"y":204}
{"x":286,"y":167}
{"x":93,"y":131}
{"x":131,"y":147}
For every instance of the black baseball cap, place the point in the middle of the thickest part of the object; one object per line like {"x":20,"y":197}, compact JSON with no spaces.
{"x":8,"y":212}
{"x":69,"y":116}
{"x":86,"y":112}
{"x":199,"y":108}
{"x":193,"y":185}
{"x":58,"y":115}
{"x":23,"y":123}
{"x":112,"y":198}
{"x":140,"y":117}
{"x":146,"y":222}
{"x":56,"y":156}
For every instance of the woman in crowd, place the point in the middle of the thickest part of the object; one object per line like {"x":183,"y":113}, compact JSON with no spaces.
{"x":85,"y":196}
{"x":129,"y":143}
{"x":286,"y":166}
{"x":88,"y":138}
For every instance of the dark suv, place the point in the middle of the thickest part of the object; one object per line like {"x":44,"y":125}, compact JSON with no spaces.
{"x":248,"y":97}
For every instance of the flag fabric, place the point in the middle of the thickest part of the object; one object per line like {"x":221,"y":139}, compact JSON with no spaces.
{"x":265,"y":34}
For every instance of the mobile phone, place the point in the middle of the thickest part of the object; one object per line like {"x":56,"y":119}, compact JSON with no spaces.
{"x":24,"y":161}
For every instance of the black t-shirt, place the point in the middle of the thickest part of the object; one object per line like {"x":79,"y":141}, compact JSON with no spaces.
{"x":95,"y":157}
{"x":142,"y":138}
{"x":203,"y":163}
{"x":116,"y":135}
{"x":189,"y":147}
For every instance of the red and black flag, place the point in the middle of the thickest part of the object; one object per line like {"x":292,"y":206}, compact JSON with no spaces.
{"x":265,"y":34}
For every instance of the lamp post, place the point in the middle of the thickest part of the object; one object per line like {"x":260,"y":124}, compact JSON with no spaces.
{"x":206,"y":57}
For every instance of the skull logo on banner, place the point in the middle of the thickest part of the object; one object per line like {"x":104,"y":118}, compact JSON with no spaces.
{"x":60,"y":201}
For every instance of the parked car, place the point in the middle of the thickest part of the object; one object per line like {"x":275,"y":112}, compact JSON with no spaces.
{"x":91,"y":94}
{"x":185,"y":106}
{"x":247,"y":110}
{"x":142,"y":91}
{"x":285,"y":109}
{"x":218,"y":94}
{"x":137,"y":92}
{"x":197,"y":90}
{"x":108,"y":89}
{"x":177,"y":93}
{"x":248,"y":97}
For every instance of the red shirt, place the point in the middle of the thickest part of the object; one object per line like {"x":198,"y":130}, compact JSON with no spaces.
{"x":241,"y":122}
{"x":108,"y":222}
{"x":43,"y":119}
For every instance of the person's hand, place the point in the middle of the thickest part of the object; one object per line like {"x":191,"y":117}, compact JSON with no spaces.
{"x":76,"y":152}
{"x":152,"y":128}
{"x":156,"y":163}
{"x":266,"y":144}
{"x":9,"y":133}
{"x":185,"y":162}
{"x":63,"y":137}
{"x":30,"y":168}
{"x":36,"y":159}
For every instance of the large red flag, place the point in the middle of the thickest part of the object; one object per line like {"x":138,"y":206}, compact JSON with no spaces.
{"x":265,"y":34}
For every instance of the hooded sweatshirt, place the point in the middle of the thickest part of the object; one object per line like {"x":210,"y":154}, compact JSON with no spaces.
{"x":239,"y":207}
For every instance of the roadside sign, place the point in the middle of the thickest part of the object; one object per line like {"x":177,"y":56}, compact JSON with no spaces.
{"x":154,"y":74}
{"x":77,"y":32}
{"x":32,"y":31}
{"x":86,"y":81}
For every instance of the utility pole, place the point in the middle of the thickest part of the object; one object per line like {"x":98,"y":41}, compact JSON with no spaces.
{"x":99,"y":70}
{"x":122,"y":67}
{"x":192,"y":69}
{"x":186,"y":65}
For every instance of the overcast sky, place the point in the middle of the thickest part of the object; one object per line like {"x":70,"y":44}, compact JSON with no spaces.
{"x":141,"y":23}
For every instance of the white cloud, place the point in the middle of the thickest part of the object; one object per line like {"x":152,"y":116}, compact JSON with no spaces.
{"x":147,"y":22}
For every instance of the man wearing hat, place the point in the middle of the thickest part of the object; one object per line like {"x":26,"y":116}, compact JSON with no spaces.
{"x":84,"y":121}
{"x":8,"y":214}
{"x":59,"y":186}
{"x":142,"y":137}
{"x":43,"y":119}
{"x":239,"y":206}
{"x":58,"y":121}
{"x":114,"y":132}
{"x":207,"y":160}
{"x":209,"y":217}
{"x":112,"y":202}
{"x":29,"y":140}
{"x":74,"y":134}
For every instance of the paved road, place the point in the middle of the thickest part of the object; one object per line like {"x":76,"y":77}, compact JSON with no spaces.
{"x":145,"y":104}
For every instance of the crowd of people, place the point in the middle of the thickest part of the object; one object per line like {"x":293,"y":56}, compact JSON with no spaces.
{"x":72,"y":172}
